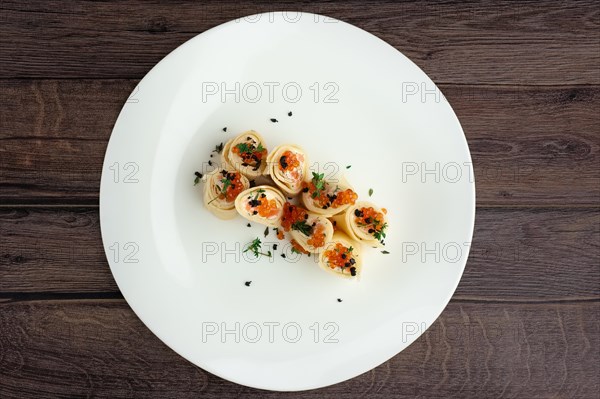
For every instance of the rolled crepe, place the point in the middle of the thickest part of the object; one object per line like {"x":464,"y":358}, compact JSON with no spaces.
{"x":341,"y":256}
{"x":288,"y":166}
{"x":363,"y":222}
{"x":246,"y":153}
{"x":312,"y":233}
{"x":221,"y":188}
{"x":327,"y":197}
{"x":261,"y":204}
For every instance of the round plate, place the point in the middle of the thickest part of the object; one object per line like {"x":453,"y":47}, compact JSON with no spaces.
{"x":359,"y":108}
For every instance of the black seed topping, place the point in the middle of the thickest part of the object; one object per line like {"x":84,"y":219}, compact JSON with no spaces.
{"x":339,"y":300}
{"x":274,"y":247}
{"x":343,"y":256}
{"x":249,"y":225}
{"x":353,"y":271}
{"x":305,"y":190}
{"x":274,"y":120}
{"x":306,"y":216}
{"x":255,"y":212}
{"x":224,"y":129}
{"x":290,"y":113}
{"x":210,"y":163}
{"x":352,"y":261}
{"x":358,"y":213}
{"x":247,"y":283}
{"x":371,"y":231}
{"x":283,"y":255}
{"x":198,"y":174}
{"x":283,"y":163}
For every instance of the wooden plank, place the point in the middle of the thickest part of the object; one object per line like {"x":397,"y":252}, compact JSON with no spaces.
{"x":489,"y":42}
{"x":516,"y":255}
{"x":530,"y":145}
{"x":100,"y":348}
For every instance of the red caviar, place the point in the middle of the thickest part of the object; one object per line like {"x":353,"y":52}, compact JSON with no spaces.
{"x":288,"y":161}
{"x":370,"y":219}
{"x":233,"y":189}
{"x":334,"y":200}
{"x":250,"y":153}
{"x":339,"y":256}
{"x":317,"y":240}
{"x":292,"y":214}
{"x":267,"y":208}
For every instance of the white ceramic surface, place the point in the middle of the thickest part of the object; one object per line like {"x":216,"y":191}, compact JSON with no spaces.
{"x":362,"y":103}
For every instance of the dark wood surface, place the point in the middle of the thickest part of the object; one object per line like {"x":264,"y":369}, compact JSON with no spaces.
{"x":524,"y":80}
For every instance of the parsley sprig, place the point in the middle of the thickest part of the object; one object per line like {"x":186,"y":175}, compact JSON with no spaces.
{"x":255,"y":248}
{"x":249,"y":148}
{"x":379,"y":234}
{"x":319,"y":182}
{"x":226,"y":183}
{"x":302,"y":227}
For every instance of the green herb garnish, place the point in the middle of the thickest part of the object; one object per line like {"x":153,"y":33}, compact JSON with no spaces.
{"x":319,"y":183}
{"x":266,"y":231}
{"x":258,"y":192}
{"x":226,"y":183}
{"x":370,"y":192}
{"x":348,"y":166}
{"x":302,"y":227}
{"x":295,"y":251}
{"x":385,"y":252}
{"x":380,"y":235}
{"x":255,"y":247}
{"x":244,"y":147}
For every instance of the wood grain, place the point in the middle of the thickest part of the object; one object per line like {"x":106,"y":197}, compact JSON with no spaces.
{"x":530,"y":145}
{"x":523,"y":78}
{"x":101,"y":349}
{"x":488,"y":42}
{"x":516,"y":255}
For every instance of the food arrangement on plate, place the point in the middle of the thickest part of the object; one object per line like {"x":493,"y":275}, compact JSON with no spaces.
{"x":273,"y":188}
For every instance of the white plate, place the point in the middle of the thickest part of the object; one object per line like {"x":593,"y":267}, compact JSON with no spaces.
{"x":181,"y":269}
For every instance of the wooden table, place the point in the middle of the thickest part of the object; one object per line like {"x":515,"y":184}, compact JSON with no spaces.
{"x":524,"y":79}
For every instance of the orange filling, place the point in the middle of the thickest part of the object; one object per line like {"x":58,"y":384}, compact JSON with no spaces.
{"x":339,"y":256}
{"x":317,"y":240}
{"x":280,"y":235}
